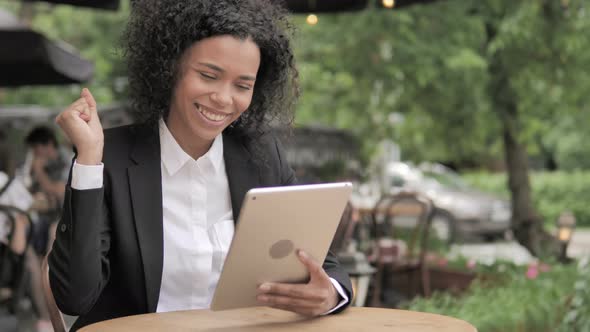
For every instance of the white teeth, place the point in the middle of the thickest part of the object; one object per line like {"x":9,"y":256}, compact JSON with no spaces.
{"x":211,"y":116}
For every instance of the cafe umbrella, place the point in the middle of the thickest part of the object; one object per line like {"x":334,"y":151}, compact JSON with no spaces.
{"x":29,"y":58}
{"x":333,"y":6}
{"x":99,"y":4}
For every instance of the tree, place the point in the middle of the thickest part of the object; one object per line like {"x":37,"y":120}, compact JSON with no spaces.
{"x":469,"y":77}
{"x":510,"y":29}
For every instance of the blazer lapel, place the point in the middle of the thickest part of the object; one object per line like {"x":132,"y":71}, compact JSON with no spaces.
{"x":242,"y":173}
{"x":145,"y":185}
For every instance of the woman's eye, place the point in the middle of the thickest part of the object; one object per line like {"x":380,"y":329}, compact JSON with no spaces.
{"x":207,"y":76}
{"x":243,"y":87}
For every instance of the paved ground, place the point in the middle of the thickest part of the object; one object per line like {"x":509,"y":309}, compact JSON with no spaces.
{"x":487,"y":253}
{"x":26,"y":319}
{"x":580,"y":245}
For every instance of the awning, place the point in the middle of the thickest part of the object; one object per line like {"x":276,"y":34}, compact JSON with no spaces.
{"x":101,"y":4}
{"x":28,"y":58}
{"x":326,"y":6}
{"x":332,"y":6}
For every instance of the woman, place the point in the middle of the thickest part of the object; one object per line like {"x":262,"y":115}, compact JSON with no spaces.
{"x":148,"y":229}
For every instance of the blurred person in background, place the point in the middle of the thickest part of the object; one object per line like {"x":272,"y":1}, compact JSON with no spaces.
{"x":13,"y":236}
{"x":12,"y":194}
{"x":49,"y":172}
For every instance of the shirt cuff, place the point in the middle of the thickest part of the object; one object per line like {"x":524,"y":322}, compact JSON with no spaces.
{"x":86,"y":176}
{"x":343,"y":296}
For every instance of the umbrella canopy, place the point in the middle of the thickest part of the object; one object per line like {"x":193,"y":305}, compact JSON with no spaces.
{"x":331,"y":6}
{"x":28,"y":58}
{"x":326,"y":6}
{"x":101,"y":4}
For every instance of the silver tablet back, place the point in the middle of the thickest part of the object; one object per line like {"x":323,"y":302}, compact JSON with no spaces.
{"x":273,"y":223}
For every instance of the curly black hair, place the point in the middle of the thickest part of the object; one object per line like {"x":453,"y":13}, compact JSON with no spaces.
{"x":160,"y":31}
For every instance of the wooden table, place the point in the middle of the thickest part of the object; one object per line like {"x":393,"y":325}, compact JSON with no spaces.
{"x":267,"y":319}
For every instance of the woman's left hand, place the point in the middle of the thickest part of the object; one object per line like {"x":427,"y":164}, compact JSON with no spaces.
{"x":314,"y":298}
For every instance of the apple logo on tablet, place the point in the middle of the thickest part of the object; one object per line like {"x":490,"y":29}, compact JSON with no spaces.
{"x":281,"y":249}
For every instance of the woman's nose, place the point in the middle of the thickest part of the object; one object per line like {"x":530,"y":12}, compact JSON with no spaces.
{"x":222,"y":97}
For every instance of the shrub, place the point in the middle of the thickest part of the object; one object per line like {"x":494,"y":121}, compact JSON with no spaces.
{"x":523,"y":302}
{"x":577,"y":317}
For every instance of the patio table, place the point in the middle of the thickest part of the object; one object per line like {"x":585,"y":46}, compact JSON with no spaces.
{"x":268,"y":319}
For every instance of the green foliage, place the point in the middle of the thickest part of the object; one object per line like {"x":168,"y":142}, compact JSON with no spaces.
{"x":495,"y":183}
{"x":371,"y":67}
{"x":568,"y":140}
{"x":432,"y":68}
{"x":553,"y":192}
{"x":517,"y":304}
{"x":577,"y":317}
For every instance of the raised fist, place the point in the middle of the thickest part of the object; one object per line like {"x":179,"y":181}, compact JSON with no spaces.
{"x":81,"y":124}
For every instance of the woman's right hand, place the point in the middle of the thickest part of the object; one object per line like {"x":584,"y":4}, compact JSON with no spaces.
{"x":81,"y":124}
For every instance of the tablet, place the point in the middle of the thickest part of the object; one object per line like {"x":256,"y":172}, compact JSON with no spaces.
{"x":274,"y":222}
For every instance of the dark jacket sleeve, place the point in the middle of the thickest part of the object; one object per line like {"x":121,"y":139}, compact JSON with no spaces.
{"x":78,"y":262}
{"x":331,"y":264}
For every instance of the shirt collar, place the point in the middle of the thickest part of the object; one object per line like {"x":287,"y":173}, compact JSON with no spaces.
{"x":174,"y":157}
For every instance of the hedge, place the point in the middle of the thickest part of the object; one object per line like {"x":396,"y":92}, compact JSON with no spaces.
{"x":523,"y":302}
{"x":577,"y":317}
{"x":553,"y":192}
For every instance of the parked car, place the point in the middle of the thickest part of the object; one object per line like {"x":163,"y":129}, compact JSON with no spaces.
{"x":461,"y":211}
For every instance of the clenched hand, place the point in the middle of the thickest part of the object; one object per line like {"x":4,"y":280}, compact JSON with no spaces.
{"x":81,"y":124}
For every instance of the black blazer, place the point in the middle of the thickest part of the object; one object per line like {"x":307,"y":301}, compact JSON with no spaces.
{"x":107,"y":258}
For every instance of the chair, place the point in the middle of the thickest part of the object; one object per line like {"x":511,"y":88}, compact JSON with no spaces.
{"x":352,"y":261}
{"x":344,"y":231}
{"x":393,"y":256}
{"x":55,"y":315}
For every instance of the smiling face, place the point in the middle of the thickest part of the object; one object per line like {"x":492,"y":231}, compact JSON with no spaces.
{"x":215,"y":86}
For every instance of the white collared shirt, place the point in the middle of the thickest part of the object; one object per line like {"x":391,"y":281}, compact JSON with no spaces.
{"x":15,"y":195}
{"x":198,"y":223}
